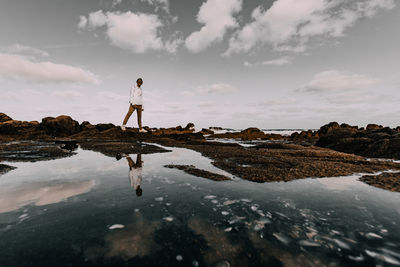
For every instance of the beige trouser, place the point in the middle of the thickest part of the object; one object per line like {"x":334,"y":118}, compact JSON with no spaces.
{"x":139,"y":114}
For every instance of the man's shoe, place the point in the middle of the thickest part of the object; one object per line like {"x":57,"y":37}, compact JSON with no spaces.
{"x":123,"y":127}
{"x":142,"y":131}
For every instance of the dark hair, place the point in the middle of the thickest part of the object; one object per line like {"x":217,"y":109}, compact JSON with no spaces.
{"x":140,"y":79}
{"x":139,"y":191}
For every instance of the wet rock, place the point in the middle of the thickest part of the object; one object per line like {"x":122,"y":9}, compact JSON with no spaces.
{"x":60,"y":126}
{"x":4,"y":117}
{"x":216,"y":128}
{"x":388,"y":181}
{"x":246,"y":135}
{"x":198,"y":172}
{"x":285,"y":162}
{"x":5,"y":168}
{"x":113,"y":148}
{"x":32,"y":151}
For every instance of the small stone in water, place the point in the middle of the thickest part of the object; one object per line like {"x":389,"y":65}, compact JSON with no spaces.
{"x":179,"y":257}
{"x":214,"y":201}
{"x":195,"y":263}
{"x":373,"y":235}
{"x":228,"y":229}
{"x":209,"y":197}
{"x":254,"y":208}
{"x":116,"y":226}
{"x":159,"y":199}
{"x":224,"y":213}
{"x":168,"y":204}
{"x":168,"y":219}
{"x":136,"y":210}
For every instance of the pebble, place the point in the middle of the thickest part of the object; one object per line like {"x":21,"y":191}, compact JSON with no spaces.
{"x":116,"y":226}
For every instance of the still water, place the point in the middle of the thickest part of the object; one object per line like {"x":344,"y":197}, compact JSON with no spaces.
{"x":93,"y":210}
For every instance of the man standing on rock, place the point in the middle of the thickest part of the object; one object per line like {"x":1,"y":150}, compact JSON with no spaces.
{"x":136,"y":102}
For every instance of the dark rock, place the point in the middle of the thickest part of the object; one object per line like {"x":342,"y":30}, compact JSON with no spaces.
{"x":87,"y":126}
{"x":388,"y":181}
{"x":4,"y":117}
{"x":189,"y":127}
{"x":328,"y":128}
{"x":104,"y":126}
{"x":335,"y":136}
{"x":373,"y":127}
{"x":206,"y":131}
{"x":5,"y":168}
{"x":199,"y":172}
{"x":216,"y":128}
{"x":60,"y":126}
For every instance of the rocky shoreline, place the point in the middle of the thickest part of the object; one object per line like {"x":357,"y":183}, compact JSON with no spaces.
{"x":333,"y":150}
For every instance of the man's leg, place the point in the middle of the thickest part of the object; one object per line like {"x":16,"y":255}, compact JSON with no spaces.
{"x":139,"y":160}
{"x":130,"y":162}
{"x":130,"y":111}
{"x":139,"y":116}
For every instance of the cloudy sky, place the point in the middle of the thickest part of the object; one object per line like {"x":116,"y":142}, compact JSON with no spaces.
{"x":231,"y":63}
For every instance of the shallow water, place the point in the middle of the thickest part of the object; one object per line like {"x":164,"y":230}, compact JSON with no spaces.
{"x":82,"y":210}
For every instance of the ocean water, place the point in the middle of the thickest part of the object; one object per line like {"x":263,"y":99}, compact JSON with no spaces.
{"x":83,"y":211}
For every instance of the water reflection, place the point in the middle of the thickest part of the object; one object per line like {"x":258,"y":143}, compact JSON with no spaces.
{"x":135,"y":171}
{"x":41,"y":193}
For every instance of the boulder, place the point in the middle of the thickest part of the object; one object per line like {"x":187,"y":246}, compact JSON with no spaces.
{"x":328,"y":128}
{"x":189,"y":127}
{"x":4,"y":117}
{"x":86,"y":126}
{"x":373,"y":127}
{"x":13,"y":127}
{"x":60,"y":126}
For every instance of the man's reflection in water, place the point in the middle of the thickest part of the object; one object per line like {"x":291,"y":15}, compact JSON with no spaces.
{"x":135,"y":173}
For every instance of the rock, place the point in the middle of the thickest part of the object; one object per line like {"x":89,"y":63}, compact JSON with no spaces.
{"x":104,"y":126}
{"x":86,"y":126}
{"x":373,"y":127}
{"x":388,"y":181}
{"x":4,"y":117}
{"x":216,"y":128}
{"x":206,"y":131}
{"x":13,"y":127}
{"x":328,"y":128}
{"x":189,"y":127}
{"x":335,"y":136}
{"x":60,"y":126}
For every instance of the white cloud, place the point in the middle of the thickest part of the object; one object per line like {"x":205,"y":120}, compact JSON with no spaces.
{"x":17,"y":66}
{"x":217,"y":17}
{"x":288,"y":25}
{"x":23,"y":49}
{"x":218,"y":88}
{"x":335,"y":80}
{"x":274,"y":62}
{"x":158,"y":4}
{"x":138,"y":32}
{"x":67,"y":94}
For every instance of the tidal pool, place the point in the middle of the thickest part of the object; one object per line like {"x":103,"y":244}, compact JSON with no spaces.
{"x":86,"y":210}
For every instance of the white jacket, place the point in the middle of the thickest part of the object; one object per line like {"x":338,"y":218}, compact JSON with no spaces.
{"x":136,"y":95}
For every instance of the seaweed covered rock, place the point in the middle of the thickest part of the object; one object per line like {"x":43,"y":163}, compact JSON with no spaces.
{"x":60,"y":126}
